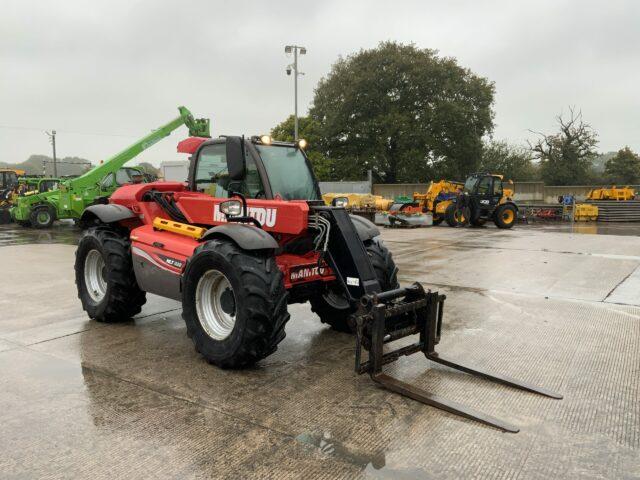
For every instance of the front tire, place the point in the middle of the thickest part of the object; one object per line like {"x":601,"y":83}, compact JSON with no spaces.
{"x":332,"y":306}
{"x":234,"y":304}
{"x":505,"y":216}
{"x":105,"y":279}
{"x":457,"y":217}
{"x":42,"y":217}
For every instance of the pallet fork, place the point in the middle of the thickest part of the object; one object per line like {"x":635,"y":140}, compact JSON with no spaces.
{"x":383,"y":318}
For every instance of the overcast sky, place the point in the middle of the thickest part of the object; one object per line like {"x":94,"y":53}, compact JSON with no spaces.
{"x":122,"y":67}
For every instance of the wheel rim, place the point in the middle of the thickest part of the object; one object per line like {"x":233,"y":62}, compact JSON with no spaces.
{"x":459,"y":216}
{"x":43,"y":217}
{"x":216,"y":305}
{"x":95,"y":276}
{"x":507,"y":216}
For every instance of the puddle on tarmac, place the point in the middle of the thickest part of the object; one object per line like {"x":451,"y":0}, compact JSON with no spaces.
{"x":61,"y":232}
{"x":374,"y":465}
{"x":587,"y":228}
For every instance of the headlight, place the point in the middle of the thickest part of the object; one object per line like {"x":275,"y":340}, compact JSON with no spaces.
{"x":232,"y":208}
{"x":265,"y":139}
{"x":302,"y":143}
{"x":341,"y":202}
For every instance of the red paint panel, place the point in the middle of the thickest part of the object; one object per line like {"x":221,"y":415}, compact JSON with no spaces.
{"x":298,"y":269}
{"x":274,"y":215}
{"x":191,"y":144}
{"x":159,"y":243}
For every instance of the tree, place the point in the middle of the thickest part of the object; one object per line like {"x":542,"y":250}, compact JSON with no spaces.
{"x":566,"y":157}
{"x":403,"y":112}
{"x":511,"y":161}
{"x":624,"y":167}
{"x":148,"y":168}
{"x":307,"y":129}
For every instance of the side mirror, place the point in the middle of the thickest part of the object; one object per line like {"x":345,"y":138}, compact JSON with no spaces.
{"x":236,"y":162}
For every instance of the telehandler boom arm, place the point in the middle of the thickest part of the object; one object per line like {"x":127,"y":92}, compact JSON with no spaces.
{"x":74,"y":195}
{"x":197,"y":128}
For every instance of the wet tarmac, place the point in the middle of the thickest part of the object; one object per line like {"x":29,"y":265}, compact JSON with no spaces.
{"x":560,"y":309}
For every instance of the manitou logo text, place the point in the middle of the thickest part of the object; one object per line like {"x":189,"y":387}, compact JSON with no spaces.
{"x":306,"y":272}
{"x":266,"y":216}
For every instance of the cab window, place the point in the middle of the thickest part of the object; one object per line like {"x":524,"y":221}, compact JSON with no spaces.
{"x":212,"y":174}
{"x":497,"y":187}
{"x":484,"y":185}
{"x":470,"y":184}
{"x":108,"y":181}
{"x":127,"y":175}
{"x":48,"y":185}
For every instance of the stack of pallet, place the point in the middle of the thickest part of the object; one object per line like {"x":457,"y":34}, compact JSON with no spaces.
{"x":617,"y":211}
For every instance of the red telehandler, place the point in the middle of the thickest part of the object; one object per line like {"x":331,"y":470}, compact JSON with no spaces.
{"x":245,"y":236}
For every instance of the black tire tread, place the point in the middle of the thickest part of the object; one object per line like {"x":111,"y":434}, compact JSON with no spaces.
{"x":125,"y":297}
{"x":498,"y":216}
{"x":449,"y":215}
{"x":33,"y":218}
{"x":387,"y":274}
{"x":265,"y":299}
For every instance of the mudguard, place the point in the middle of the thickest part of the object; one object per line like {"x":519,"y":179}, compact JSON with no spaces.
{"x":365,"y":228}
{"x":106,"y":213}
{"x":247,"y":237}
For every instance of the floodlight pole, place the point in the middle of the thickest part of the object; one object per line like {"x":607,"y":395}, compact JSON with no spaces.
{"x":296,"y":73}
{"x":295,"y":93}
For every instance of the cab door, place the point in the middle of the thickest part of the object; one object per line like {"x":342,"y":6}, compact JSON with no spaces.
{"x":484,"y":194}
{"x":497,"y":192}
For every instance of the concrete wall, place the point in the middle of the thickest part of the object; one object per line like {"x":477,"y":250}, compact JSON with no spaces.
{"x":529,"y":191}
{"x":391,"y":190}
{"x":345,"y":187}
{"x":526,"y":192}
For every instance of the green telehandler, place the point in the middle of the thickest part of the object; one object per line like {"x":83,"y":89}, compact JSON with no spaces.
{"x":96,"y":186}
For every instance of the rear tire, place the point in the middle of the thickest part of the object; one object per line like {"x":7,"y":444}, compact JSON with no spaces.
{"x":42,"y":216}
{"x":5,"y":216}
{"x":457,"y":217}
{"x":240,"y":319}
{"x":505,"y":216}
{"x":478,"y":222}
{"x":333,"y":307}
{"x":105,"y":279}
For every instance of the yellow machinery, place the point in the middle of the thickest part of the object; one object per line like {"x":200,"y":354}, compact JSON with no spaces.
{"x":613,"y":193}
{"x":8,"y":184}
{"x":584,"y":212}
{"x":437,"y":198}
{"x":486,"y":196}
{"x":359,"y":200}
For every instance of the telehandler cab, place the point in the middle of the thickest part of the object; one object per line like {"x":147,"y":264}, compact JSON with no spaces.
{"x":8,"y":184}
{"x":247,"y":235}
{"x":484,"y":197}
